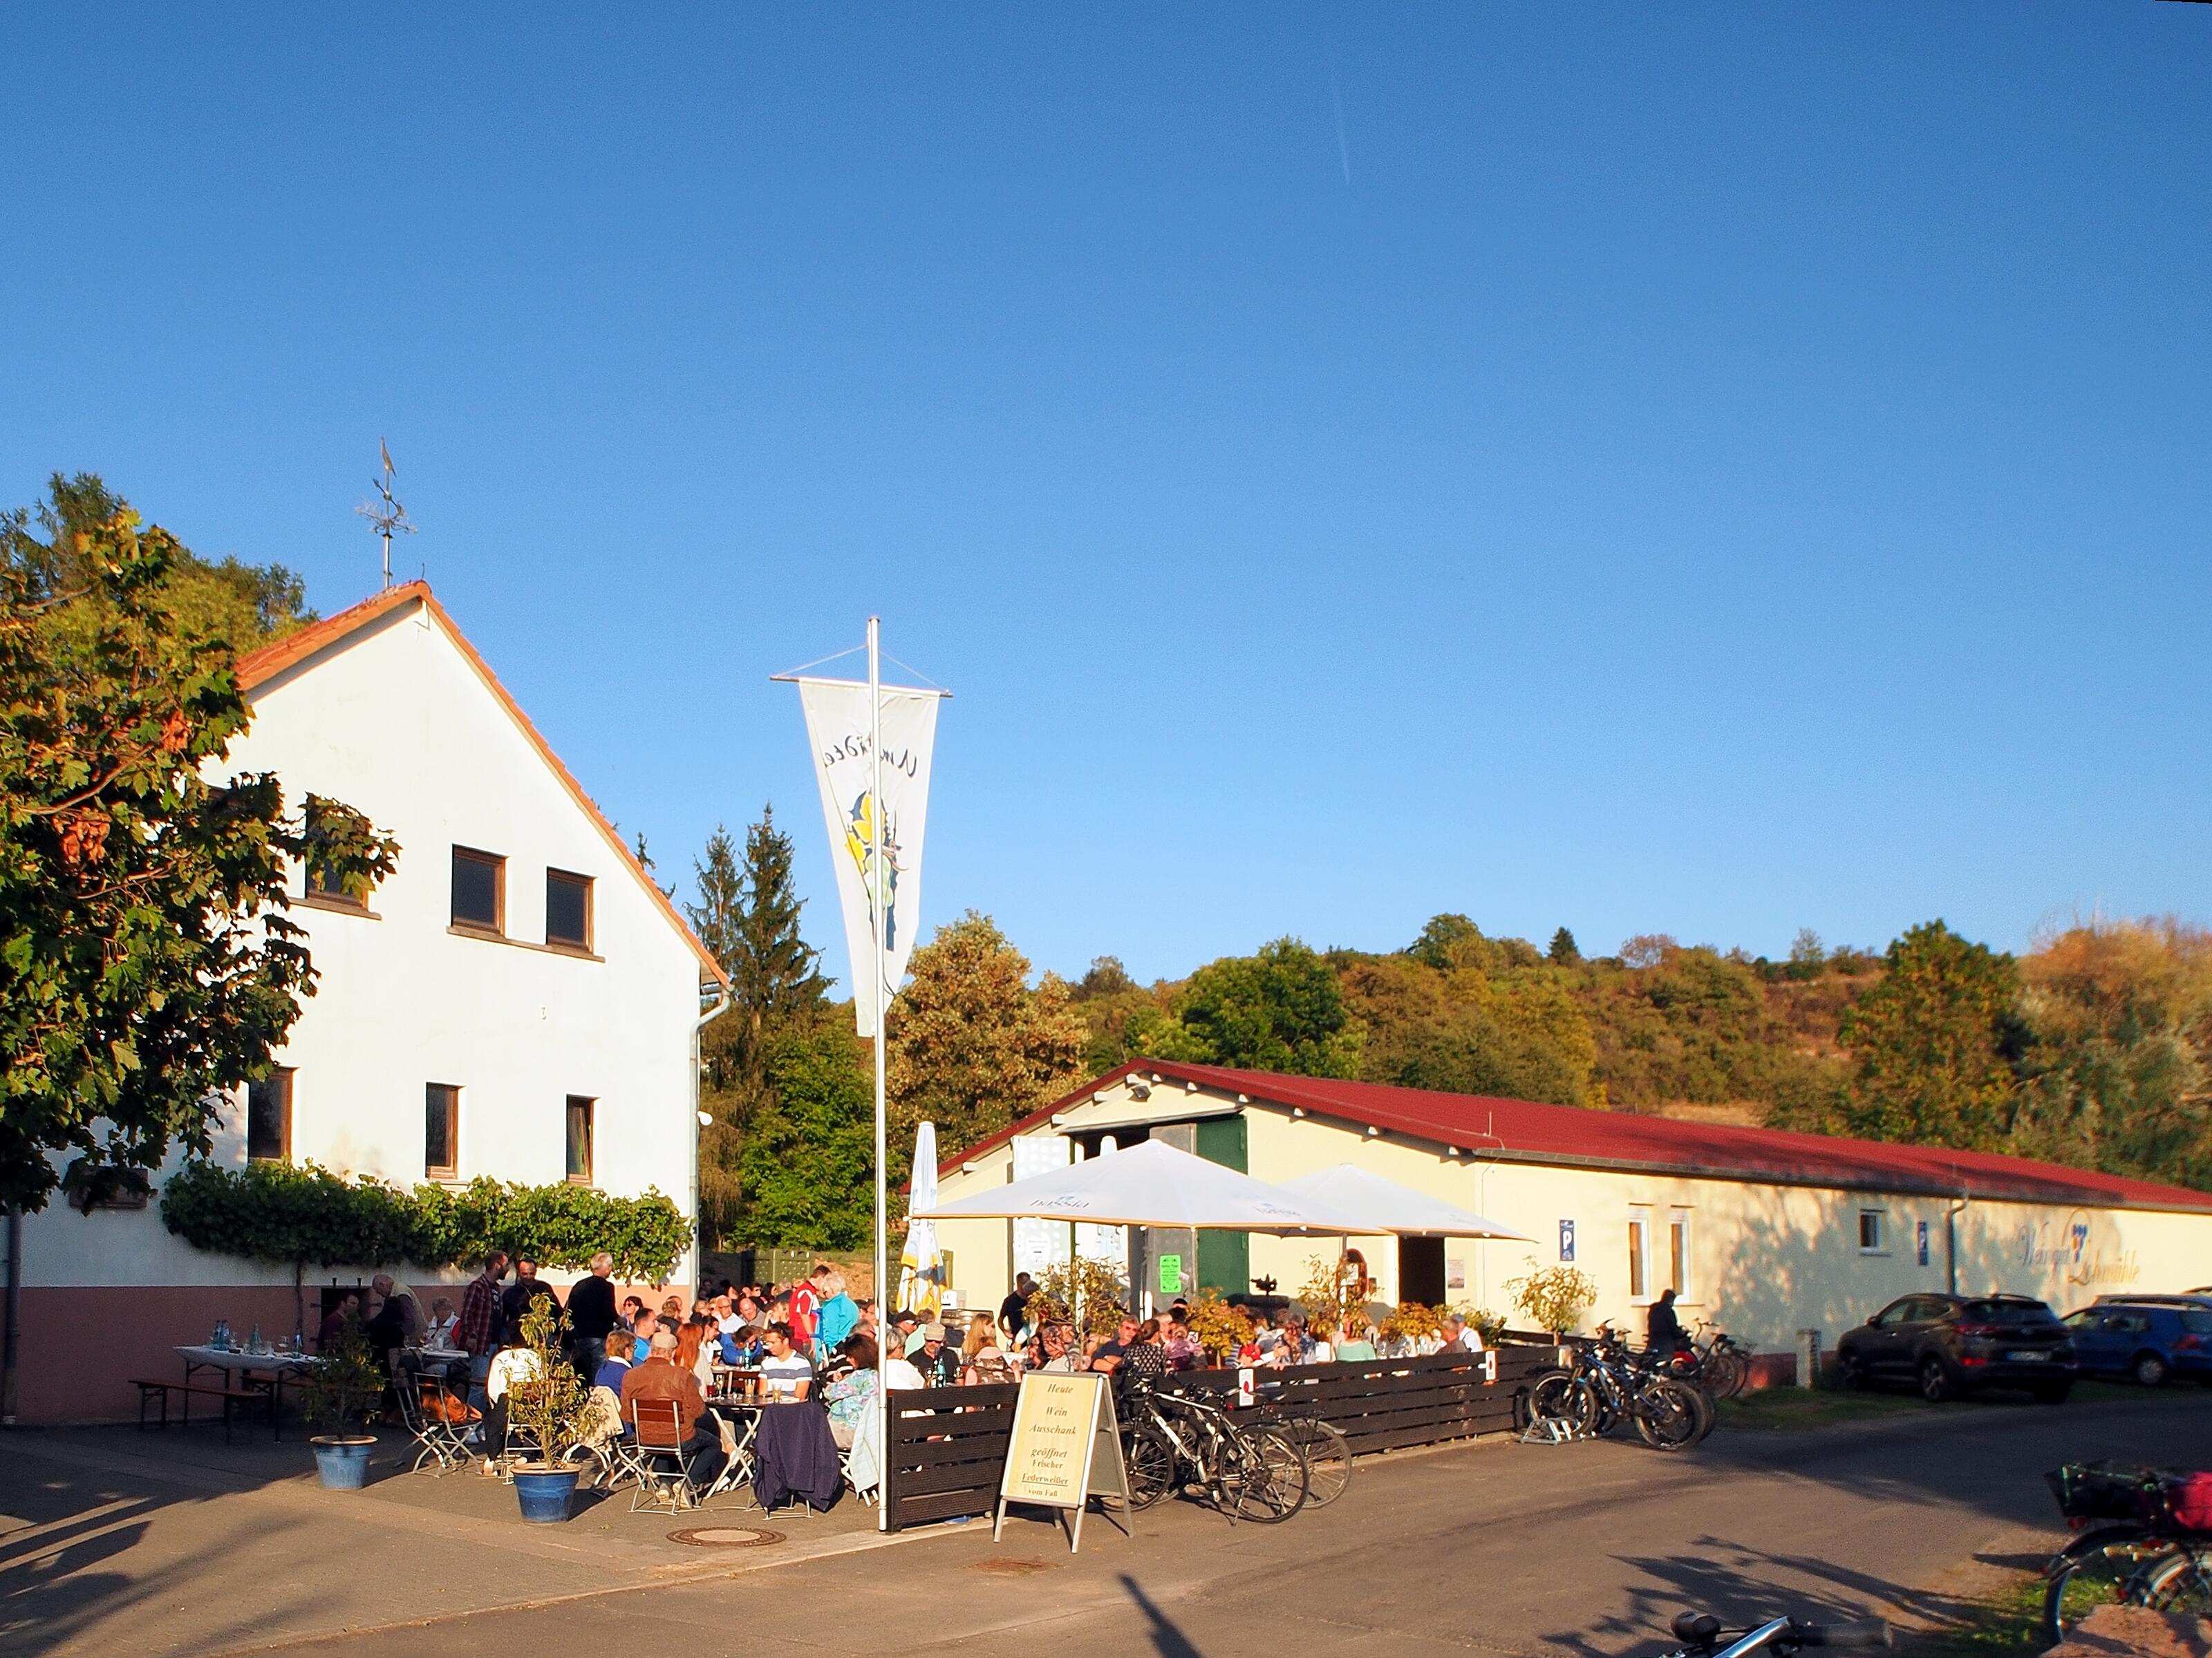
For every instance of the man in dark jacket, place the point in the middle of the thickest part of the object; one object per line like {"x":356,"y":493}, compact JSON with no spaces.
{"x":526,"y":1288}
{"x":592,"y":1316}
{"x":1662,"y":1331}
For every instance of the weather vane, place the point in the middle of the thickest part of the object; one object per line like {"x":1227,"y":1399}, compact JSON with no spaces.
{"x":390,"y":517}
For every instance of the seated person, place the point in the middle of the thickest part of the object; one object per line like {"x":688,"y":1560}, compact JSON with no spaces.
{"x":612,"y":1369}
{"x":660,"y":1377}
{"x":641,"y":1341}
{"x":785,"y":1372}
{"x":852,"y":1394}
{"x":938,"y":1364}
{"x":349,"y":1308}
{"x":512,"y":1362}
{"x":443,"y":1321}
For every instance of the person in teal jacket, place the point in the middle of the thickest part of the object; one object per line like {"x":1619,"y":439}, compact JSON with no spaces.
{"x":835,"y":1319}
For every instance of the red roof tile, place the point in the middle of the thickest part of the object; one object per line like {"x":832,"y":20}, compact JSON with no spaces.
{"x":1523,"y":1131}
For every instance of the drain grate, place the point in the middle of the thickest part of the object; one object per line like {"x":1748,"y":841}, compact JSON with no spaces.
{"x":725,"y":1537}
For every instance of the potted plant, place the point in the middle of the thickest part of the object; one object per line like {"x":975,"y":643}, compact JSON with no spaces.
{"x":554,"y":1407}
{"x":1554,"y":1297}
{"x":341,"y":1388}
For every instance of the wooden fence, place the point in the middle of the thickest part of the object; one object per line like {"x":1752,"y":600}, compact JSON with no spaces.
{"x":948,"y":1445}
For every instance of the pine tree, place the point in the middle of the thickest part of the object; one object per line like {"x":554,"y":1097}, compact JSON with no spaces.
{"x":1563,"y":953}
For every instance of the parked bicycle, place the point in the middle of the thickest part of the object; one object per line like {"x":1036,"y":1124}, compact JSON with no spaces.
{"x":1171,"y":1439}
{"x":1702,"y":1635}
{"x":1326,"y":1451}
{"x":1715,"y":1361}
{"x":2145,"y":1541}
{"x":1609,"y":1385}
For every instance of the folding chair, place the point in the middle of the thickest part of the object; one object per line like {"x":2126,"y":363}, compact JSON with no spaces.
{"x":656,"y":1457}
{"x":737,"y":1460}
{"x":436,"y":1419}
{"x":599,"y":1452}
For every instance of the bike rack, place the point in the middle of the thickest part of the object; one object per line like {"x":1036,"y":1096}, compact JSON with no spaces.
{"x":1553,"y":1430}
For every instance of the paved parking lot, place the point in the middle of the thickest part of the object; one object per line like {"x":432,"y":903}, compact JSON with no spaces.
{"x":1497,"y":1548}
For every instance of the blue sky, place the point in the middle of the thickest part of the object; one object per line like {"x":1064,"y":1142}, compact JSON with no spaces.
{"x":1694,"y":469}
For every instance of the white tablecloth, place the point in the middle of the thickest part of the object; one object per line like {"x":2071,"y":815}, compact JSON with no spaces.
{"x":223,"y":1358}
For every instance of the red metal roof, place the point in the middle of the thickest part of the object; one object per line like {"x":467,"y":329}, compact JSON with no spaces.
{"x":1523,"y":1131}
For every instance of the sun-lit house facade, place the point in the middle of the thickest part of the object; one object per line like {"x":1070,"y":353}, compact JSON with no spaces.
{"x":518,"y":999}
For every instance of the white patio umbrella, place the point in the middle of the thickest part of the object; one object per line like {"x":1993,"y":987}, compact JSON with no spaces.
{"x":922,"y":1269}
{"x":1380,"y":1204}
{"x":1149,"y":1184}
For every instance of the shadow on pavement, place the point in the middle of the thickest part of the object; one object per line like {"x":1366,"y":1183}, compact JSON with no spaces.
{"x":1168,"y":1640}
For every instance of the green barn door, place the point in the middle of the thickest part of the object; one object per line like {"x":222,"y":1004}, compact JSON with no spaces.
{"x":1224,"y":1259}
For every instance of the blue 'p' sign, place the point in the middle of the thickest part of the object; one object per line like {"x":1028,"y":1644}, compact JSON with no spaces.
{"x":1924,"y":1243}
{"x":1566,"y":1239}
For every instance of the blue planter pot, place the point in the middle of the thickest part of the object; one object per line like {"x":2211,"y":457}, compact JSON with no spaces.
{"x":342,"y":1463}
{"x":544,"y":1494}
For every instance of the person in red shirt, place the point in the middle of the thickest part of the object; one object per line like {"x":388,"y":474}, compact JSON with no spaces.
{"x":806,"y":1299}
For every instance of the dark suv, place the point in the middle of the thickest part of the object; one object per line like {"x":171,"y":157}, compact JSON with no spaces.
{"x":1950,"y":1345}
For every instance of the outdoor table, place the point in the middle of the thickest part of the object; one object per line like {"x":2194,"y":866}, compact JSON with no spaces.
{"x":432,"y":1358}
{"x":794,"y":1454}
{"x":262,"y":1369}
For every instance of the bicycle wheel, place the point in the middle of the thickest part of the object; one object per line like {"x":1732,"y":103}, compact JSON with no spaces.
{"x":1328,"y":1462}
{"x":1709,"y":1414}
{"x":1151,"y":1462}
{"x":2180,"y":1582}
{"x":1559,"y":1397}
{"x":1666,"y":1415}
{"x":2095,"y":1570}
{"x":1264,"y":1478}
{"x":1726,"y":1372}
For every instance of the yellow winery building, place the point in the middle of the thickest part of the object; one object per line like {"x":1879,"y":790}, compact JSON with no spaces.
{"x":1762,"y":1232}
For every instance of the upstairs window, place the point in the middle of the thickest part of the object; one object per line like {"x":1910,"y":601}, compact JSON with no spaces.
{"x":568,"y":910}
{"x":324,"y":888}
{"x":441,"y":1130}
{"x":268,"y":1118}
{"x":479,"y":890}
{"x":580,"y":1110}
{"x":1639,"y":1254}
{"x":1872,"y":1238}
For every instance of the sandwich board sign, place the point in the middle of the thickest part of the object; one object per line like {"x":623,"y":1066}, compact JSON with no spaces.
{"x":1067,"y":1448}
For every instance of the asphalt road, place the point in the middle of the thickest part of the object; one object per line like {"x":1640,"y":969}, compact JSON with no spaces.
{"x":1498,"y":1548}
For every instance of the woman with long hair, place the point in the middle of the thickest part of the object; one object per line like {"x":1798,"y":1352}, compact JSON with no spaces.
{"x":850,"y":1395}
{"x":981,"y":1360}
{"x":692,"y":1352}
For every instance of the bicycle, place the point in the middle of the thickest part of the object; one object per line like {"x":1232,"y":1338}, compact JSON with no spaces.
{"x":1607,"y":1384}
{"x":1703,"y":1637}
{"x":1326,"y":1451}
{"x":1257,"y":1473}
{"x":1715,"y":1361}
{"x":2143,"y":1556}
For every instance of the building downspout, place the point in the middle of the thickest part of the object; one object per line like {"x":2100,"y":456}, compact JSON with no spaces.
{"x":698,"y":1065}
{"x":1951,"y":1241}
{"x":13,"y":1339}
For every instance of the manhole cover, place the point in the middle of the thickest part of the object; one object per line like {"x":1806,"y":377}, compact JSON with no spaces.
{"x":725,"y":1537}
{"x":1009,"y":1567}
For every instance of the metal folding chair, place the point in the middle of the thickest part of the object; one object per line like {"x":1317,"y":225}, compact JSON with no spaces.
{"x":736,"y":1459}
{"x":656,"y":1457}
{"x":436,"y":1419}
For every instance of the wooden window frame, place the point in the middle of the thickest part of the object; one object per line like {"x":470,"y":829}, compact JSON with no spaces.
{"x":281,"y":1076}
{"x":1681,"y":1254}
{"x":1881,"y":1219}
{"x":585,"y":945}
{"x":450,"y":1171}
{"x":334,"y":898}
{"x":456,"y":923}
{"x":590,"y":1135}
{"x":1640,"y":1292}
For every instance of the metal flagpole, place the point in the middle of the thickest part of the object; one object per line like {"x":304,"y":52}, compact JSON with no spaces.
{"x":876,"y":994}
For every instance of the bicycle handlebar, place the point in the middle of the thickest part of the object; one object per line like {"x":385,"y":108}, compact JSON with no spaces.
{"x":1702,"y":1629}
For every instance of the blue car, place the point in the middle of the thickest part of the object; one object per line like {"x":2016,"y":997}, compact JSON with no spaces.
{"x":2150,"y":1337}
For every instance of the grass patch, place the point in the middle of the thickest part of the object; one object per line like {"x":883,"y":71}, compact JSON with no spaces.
{"x":2005,"y":1622}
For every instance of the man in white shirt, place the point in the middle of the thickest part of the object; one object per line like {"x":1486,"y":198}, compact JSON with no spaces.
{"x":785,"y":1372}
{"x":1460,"y":1336}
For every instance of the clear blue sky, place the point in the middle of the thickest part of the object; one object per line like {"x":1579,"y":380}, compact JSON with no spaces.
{"x":1710,"y":469}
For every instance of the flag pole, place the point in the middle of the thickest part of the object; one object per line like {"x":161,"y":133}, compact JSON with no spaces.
{"x":884,"y":1309}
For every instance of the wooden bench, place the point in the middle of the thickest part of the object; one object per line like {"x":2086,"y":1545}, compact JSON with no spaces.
{"x":249,"y":1396}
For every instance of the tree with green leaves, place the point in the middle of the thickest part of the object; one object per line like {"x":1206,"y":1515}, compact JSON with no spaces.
{"x":147,"y":966}
{"x":808,"y":1158}
{"x":973,"y":1046}
{"x":748,"y":914}
{"x":1935,"y":1044}
{"x":1563,"y":953}
{"x":1279,"y":1009}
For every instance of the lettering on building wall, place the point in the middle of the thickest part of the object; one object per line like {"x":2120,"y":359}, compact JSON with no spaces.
{"x":2084,"y":1250}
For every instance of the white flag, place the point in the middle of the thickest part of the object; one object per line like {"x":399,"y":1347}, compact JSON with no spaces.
{"x":837,"y":724}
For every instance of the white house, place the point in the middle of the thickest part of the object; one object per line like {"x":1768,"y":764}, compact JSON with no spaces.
{"x":518,"y":999}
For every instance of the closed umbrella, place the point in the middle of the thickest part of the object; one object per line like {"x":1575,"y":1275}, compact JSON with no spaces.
{"x":922,"y":1269}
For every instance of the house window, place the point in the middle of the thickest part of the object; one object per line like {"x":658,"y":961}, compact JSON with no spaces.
{"x":1678,"y":1252}
{"x":1874,"y":1230}
{"x":268,"y":1118}
{"x":568,"y":910}
{"x":1639,"y":1254}
{"x":441,"y":1130}
{"x":580,"y":1112}
{"x":479,"y":890}
{"x":326,"y":888}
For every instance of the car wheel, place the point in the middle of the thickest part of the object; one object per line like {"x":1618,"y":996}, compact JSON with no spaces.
{"x":2150,"y":1370}
{"x":1934,"y":1379}
{"x":1854,"y":1372}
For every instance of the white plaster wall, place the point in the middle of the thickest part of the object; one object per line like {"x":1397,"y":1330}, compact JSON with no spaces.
{"x":396,"y":722}
{"x":1765,"y":1260}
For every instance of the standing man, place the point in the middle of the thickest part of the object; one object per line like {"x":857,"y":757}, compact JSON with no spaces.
{"x":478,"y":1333}
{"x":592,"y":1316}
{"x":1014,"y":1310}
{"x":1662,"y":1329}
{"x":527,"y":1287}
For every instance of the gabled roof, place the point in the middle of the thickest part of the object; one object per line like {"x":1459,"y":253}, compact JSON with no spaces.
{"x":258,"y":668}
{"x":1522,"y":1131}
